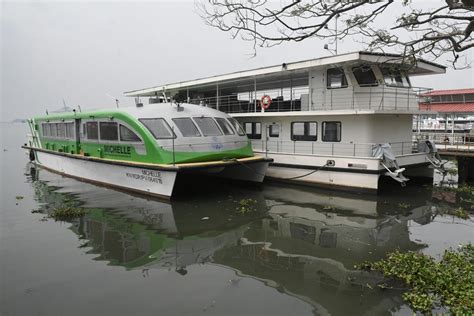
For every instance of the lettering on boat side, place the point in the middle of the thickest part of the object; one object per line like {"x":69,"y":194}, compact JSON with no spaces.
{"x":117,"y":150}
{"x":146,"y":175}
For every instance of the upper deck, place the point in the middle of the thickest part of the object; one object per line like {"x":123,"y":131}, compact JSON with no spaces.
{"x":353,"y":81}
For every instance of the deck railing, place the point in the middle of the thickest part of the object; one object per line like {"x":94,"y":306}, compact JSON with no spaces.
{"x":381,"y":97}
{"x":329,"y":149}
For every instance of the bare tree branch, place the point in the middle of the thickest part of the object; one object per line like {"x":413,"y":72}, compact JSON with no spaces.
{"x":431,"y":33}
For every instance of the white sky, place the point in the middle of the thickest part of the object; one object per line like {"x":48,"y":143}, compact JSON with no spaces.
{"x":81,"y":51}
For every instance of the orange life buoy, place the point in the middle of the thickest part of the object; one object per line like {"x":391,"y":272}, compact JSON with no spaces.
{"x":266,"y":101}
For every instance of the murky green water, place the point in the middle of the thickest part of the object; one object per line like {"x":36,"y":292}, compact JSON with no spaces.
{"x":291,"y":253}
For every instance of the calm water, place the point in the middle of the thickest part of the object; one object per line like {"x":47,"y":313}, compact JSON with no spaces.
{"x":293,"y":254}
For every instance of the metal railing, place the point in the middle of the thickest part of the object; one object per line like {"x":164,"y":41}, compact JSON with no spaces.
{"x":329,"y":148}
{"x":448,"y":141}
{"x":381,"y":97}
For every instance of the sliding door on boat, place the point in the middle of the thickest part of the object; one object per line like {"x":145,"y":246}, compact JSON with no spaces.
{"x":272,"y":136}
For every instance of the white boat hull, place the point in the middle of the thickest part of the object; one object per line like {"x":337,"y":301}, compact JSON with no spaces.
{"x":141,"y":179}
{"x":154,"y":182}
{"x":346,"y":173}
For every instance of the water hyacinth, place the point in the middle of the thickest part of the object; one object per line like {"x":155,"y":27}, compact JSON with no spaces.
{"x":448,"y":283}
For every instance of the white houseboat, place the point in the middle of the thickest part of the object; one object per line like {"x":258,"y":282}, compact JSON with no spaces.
{"x":342,"y":121}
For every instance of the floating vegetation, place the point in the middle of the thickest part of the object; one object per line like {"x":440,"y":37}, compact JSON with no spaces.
{"x":403,"y":205}
{"x":67,"y":212}
{"x":452,"y":171}
{"x":246,"y":206}
{"x":19,"y":197}
{"x":430,"y":285}
{"x":459,"y":212}
{"x":329,"y":208}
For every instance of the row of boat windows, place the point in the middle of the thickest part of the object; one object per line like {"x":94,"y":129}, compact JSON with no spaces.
{"x":300,"y":131}
{"x":193,"y":127}
{"x":159,"y":127}
{"x":336,"y":77}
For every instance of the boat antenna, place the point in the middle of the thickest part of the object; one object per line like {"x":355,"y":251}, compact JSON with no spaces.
{"x":112,"y":97}
{"x":47,"y":112}
{"x":79,"y":108}
{"x":64,"y":105}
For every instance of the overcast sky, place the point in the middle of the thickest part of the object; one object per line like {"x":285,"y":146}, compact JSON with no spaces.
{"x":81,"y":51}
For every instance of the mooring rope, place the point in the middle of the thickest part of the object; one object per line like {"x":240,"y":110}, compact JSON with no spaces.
{"x":262,"y":174}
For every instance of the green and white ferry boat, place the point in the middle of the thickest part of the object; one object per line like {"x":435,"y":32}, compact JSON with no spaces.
{"x":144,"y":148}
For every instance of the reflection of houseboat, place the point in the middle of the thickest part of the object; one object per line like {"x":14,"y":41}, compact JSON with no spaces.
{"x":145,"y":148}
{"x":341,"y":121}
{"x":303,"y":248}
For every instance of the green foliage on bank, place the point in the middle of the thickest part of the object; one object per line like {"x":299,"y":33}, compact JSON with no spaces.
{"x":430,"y":284}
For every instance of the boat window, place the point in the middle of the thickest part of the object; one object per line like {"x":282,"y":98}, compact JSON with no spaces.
{"x":253,"y":130}
{"x":61,"y":130}
{"x":158,"y":127}
{"x":336,"y":78}
{"x":53,"y":130}
{"x":307,"y":131}
{"x":274,"y":130}
{"x":92,"y":130}
{"x":394,"y":77}
{"x":108,"y":131}
{"x":208,"y":126}
{"x":364,"y":76}
{"x":187,"y":127}
{"x":46,"y":129}
{"x":225,"y":126}
{"x":331,"y":131}
{"x":236,"y":126}
{"x":127,"y":135}
{"x":70,"y":130}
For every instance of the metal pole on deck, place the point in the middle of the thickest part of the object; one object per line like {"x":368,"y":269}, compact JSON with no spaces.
{"x":255,"y":95}
{"x":187,"y":95}
{"x":217,"y":96}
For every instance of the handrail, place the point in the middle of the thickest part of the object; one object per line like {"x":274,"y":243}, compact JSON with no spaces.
{"x":379,"y":97}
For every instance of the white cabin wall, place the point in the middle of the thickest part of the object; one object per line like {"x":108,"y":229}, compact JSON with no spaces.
{"x":317,"y":89}
{"x":387,"y":128}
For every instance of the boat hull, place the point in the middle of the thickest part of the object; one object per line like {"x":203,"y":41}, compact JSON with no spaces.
{"x":150,"y":180}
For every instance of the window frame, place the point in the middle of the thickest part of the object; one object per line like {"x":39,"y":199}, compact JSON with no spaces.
{"x":270,"y":132}
{"x":343,"y":74}
{"x":139,"y":141}
{"x":226,"y":123}
{"x":192,"y":122}
{"x":87,"y":131}
{"x":212,"y":120}
{"x":116,"y":130}
{"x":390,"y":72}
{"x":374,"y":84}
{"x":237,"y":126}
{"x":306,"y":137}
{"x":253,"y":135}
{"x":173,"y":134}
{"x":323,"y":132}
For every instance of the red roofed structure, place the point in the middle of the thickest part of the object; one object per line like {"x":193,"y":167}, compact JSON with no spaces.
{"x":449,"y":101}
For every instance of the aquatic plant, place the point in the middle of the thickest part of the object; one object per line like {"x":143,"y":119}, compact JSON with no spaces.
{"x":329,"y":208}
{"x":403,"y":205}
{"x":458,"y":212}
{"x":430,"y":284}
{"x":19,"y":197}
{"x":452,"y":171}
{"x":246,"y":206}
{"x":67,"y":212}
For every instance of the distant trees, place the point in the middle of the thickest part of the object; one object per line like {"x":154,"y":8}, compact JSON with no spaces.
{"x":444,"y":28}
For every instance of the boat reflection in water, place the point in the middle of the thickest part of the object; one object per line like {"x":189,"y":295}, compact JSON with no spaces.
{"x":302,"y":242}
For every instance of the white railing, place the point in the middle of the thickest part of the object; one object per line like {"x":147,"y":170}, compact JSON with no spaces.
{"x":329,"y":149}
{"x":456,"y":141}
{"x":381,"y":97}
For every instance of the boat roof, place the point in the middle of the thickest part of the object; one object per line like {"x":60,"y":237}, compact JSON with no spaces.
{"x":166,"y":110}
{"x":285,"y":71}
